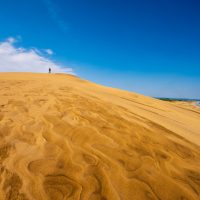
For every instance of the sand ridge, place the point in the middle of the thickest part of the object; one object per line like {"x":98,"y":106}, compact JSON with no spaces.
{"x":66,"y":138}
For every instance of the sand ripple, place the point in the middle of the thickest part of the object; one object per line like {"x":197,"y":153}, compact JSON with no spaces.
{"x":65,"y":138}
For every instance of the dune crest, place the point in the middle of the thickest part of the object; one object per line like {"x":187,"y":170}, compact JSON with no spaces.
{"x":66,"y":138}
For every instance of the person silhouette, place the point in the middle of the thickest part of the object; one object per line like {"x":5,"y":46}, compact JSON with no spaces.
{"x":49,"y":70}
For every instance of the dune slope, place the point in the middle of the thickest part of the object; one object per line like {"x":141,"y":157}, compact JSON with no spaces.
{"x":65,"y":138}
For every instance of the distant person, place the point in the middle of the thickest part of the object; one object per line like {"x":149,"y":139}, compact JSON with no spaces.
{"x":49,"y":70}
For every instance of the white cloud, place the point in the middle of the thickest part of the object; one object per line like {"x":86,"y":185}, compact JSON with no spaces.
{"x":49,"y":51}
{"x":11,"y":40}
{"x":19,"y":59}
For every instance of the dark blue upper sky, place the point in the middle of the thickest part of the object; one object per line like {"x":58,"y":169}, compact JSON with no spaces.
{"x":147,"y":46}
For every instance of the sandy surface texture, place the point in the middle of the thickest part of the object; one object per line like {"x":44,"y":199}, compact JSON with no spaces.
{"x":63,"y":138}
{"x":188,"y":104}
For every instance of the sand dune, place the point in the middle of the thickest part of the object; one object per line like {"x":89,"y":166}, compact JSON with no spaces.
{"x":65,"y":138}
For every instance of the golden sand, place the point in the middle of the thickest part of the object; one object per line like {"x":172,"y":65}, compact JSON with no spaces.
{"x":63,"y":138}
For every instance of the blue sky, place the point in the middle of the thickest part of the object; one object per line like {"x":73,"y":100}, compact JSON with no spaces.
{"x":150,"y":47}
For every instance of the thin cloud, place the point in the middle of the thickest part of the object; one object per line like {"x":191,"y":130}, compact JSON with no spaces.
{"x":53,"y":11}
{"x":11,"y":40}
{"x":19,"y":59}
{"x":49,"y":51}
